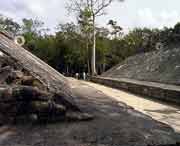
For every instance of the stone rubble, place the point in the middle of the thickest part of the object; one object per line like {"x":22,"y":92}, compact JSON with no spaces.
{"x":23,"y":97}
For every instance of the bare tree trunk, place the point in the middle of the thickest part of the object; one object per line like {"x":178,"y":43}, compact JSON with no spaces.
{"x":67,"y":70}
{"x":93,"y":61}
{"x":87,"y":50}
{"x":89,"y":68}
{"x":104,"y":67}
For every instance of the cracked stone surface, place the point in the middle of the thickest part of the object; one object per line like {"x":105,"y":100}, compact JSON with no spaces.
{"x":115,"y":123}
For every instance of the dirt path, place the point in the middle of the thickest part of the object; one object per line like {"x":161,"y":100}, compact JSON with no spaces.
{"x":157,"y":110}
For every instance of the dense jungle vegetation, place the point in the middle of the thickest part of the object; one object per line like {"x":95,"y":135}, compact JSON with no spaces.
{"x":68,"y":49}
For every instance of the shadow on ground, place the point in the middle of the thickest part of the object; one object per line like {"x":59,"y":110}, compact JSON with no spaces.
{"x":115,"y":124}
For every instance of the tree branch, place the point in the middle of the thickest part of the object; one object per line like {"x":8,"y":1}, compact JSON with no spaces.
{"x":102,"y":6}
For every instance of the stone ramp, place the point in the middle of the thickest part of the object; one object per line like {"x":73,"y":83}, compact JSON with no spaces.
{"x":51,"y":79}
{"x":162,"y":66}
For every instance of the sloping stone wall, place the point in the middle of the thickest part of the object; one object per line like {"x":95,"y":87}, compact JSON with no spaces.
{"x":164,"y":92}
{"x":162,"y":66}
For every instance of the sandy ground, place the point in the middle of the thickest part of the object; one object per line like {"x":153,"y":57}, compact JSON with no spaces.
{"x":160,"y":111}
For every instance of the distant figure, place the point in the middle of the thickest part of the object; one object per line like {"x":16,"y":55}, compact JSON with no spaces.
{"x":77,"y":75}
{"x":84,"y":76}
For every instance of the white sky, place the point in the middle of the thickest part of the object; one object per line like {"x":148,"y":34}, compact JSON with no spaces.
{"x":129,"y":14}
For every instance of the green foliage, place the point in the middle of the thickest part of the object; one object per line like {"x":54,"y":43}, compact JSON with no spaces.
{"x":9,"y":25}
{"x":117,"y":30}
{"x":86,"y":28}
{"x":69,"y":50}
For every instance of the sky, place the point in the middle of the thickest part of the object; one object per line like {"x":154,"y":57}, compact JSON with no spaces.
{"x":129,"y":14}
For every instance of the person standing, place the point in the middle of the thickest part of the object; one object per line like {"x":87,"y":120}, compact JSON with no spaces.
{"x":84,"y":76}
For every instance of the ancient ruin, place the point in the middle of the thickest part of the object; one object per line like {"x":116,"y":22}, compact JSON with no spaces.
{"x":31,"y":89}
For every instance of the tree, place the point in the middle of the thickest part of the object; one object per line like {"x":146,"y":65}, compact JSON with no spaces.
{"x":68,"y":29}
{"x":32,"y":26}
{"x":86,"y":28}
{"x":9,"y":25}
{"x":103,"y":48}
{"x":32,"y":31}
{"x":69,"y":42}
{"x":117,"y":30}
{"x":97,"y":8}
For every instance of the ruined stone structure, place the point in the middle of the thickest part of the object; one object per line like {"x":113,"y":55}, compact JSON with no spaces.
{"x":31,"y":88}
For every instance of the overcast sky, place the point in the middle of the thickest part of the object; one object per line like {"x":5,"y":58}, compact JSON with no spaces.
{"x":129,"y":14}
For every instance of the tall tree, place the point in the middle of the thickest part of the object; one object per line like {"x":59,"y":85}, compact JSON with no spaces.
{"x":9,"y":25}
{"x":31,"y":30}
{"x":32,"y":26}
{"x":69,"y":42}
{"x":85,"y":24}
{"x":97,"y":8}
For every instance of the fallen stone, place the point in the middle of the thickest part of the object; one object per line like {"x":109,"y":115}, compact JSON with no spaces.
{"x":17,"y":74}
{"x":48,"y":107}
{"x":22,"y":93}
{"x":5,"y":72}
{"x":77,"y":116}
